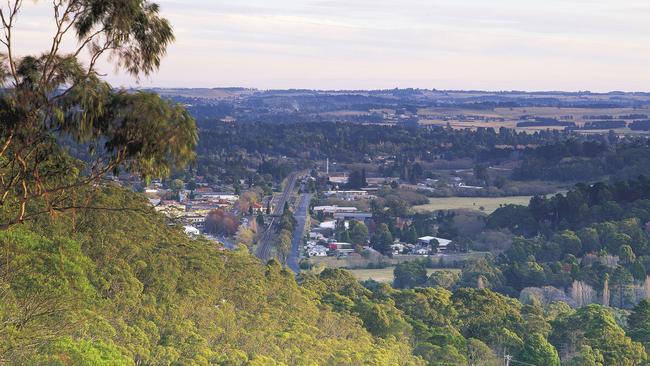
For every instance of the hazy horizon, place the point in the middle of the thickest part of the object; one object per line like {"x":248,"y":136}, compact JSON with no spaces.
{"x":153,"y":86}
{"x":503,"y":45}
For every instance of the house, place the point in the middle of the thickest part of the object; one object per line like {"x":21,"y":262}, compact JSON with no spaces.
{"x":257,"y":208}
{"x":431,"y":241}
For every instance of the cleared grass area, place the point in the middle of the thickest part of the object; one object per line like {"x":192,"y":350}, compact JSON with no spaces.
{"x":385,"y":275}
{"x":489,"y":204}
{"x":453,"y":260}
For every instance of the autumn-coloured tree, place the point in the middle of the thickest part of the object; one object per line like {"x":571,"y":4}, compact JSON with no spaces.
{"x":221,"y":222}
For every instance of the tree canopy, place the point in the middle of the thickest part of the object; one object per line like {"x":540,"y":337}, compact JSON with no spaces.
{"x":65,"y":127}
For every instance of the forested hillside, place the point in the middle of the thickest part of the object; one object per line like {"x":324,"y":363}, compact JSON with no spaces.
{"x":124,"y":288}
{"x":592,"y":239}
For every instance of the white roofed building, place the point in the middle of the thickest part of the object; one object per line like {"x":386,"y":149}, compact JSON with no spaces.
{"x":431,"y":241}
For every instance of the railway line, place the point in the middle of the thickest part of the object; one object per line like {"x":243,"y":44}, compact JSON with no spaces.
{"x":265,"y":246}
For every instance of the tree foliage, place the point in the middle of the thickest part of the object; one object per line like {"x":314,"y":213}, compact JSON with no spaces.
{"x":123,"y":287}
{"x":53,"y":101}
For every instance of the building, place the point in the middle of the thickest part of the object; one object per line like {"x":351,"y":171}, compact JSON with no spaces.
{"x":203,"y":207}
{"x":334,"y":209}
{"x":327,"y":225}
{"x":358,"y":216}
{"x":218,"y":197}
{"x":171,"y":209}
{"x":191,"y":231}
{"x":194,"y":219}
{"x":380,"y":181}
{"x":257,"y":208}
{"x":338,"y":180}
{"x":330,"y":211}
{"x":348,"y":195}
{"x":432,"y":241}
{"x":339,"y":246}
{"x":397,"y":248}
{"x":316,"y":236}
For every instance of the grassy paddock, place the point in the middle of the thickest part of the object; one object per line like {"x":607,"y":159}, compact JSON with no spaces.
{"x":453,"y":260}
{"x":490,"y":204}
{"x":385,"y":274}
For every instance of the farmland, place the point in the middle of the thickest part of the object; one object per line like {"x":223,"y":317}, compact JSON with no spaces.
{"x":460,"y":118}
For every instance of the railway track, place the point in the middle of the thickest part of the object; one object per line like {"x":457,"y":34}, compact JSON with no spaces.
{"x":265,"y":246}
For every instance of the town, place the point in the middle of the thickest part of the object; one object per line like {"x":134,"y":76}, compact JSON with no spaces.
{"x":224,"y":215}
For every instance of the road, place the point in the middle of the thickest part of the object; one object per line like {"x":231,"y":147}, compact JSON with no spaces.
{"x":298,"y":234}
{"x":265,"y":245}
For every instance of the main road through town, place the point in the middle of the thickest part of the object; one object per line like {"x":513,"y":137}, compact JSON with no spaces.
{"x":299,"y":233}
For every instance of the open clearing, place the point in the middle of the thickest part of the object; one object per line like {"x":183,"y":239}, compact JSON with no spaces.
{"x":385,"y":274}
{"x":360,"y":263}
{"x":489,"y":204}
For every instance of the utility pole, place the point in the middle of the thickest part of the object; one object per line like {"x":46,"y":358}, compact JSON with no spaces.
{"x":507,"y":358}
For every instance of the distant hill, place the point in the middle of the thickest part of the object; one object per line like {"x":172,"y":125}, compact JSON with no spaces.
{"x":459,"y":108}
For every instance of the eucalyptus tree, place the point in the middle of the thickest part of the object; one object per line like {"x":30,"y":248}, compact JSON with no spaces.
{"x":63,"y":126}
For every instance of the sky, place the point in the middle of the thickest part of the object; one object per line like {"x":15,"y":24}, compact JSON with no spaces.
{"x":571,"y":45}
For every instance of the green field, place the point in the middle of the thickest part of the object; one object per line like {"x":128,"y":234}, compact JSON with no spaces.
{"x":384,"y":274}
{"x":489,"y":204}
